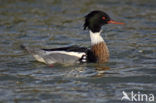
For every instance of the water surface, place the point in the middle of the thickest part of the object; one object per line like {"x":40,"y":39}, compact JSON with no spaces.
{"x":58,"y":23}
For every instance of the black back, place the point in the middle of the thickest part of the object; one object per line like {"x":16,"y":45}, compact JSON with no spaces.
{"x":90,"y":57}
{"x":68,"y":49}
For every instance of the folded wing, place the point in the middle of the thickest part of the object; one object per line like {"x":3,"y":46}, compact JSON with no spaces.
{"x":72,"y":54}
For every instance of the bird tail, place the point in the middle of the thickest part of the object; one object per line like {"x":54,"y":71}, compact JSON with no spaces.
{"x":23,"y":47}
{"x":38,"y":54}
{"x":28,"y":49}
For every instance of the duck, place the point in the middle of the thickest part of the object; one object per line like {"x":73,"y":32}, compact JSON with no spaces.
{"x":97,"y":53}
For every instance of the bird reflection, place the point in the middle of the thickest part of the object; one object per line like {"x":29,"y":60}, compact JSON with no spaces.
{"x":101,"y":69}
{"x":88,"y":70}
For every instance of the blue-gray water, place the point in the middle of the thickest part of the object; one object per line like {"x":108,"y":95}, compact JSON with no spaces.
{"x":58,"y":23}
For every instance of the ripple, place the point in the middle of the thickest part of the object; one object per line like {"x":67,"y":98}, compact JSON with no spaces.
{"x":59,"y":23}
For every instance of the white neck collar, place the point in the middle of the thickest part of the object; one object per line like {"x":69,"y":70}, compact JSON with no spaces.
{"x":96,"y":37}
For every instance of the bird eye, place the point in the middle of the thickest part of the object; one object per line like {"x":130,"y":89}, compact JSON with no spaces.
{"x":103,"y":18}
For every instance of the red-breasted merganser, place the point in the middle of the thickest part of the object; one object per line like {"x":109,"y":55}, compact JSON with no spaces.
{"x":98,"y":52}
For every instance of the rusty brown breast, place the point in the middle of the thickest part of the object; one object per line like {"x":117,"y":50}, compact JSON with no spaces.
{"x":101,"y":52}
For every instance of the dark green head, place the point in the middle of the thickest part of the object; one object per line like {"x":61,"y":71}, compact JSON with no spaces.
{"x":96,"y":19}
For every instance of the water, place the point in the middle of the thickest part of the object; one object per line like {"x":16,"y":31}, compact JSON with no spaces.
{"x":58,"y":23}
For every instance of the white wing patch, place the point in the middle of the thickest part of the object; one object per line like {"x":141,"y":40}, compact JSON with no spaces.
{"x":77,"y":54}
{"x":47,"y":57}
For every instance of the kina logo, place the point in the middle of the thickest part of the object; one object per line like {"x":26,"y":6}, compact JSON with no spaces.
{"x":137,"y":97}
